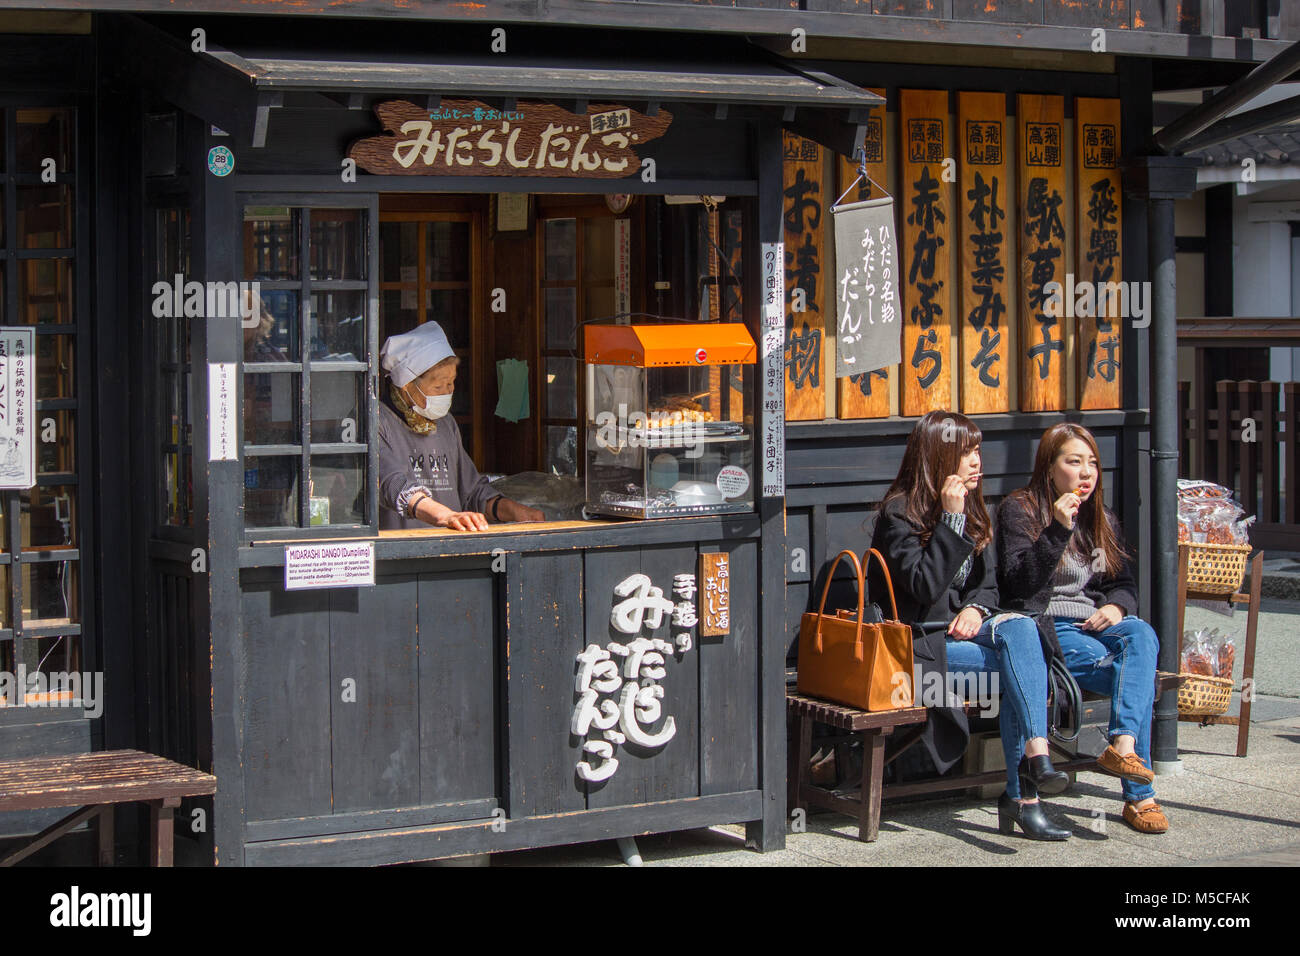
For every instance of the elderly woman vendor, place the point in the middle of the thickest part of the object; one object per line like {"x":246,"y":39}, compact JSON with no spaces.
{"x":446,"y":489}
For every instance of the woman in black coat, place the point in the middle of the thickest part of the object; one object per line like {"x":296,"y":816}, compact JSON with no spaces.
{"x":936,"y":537}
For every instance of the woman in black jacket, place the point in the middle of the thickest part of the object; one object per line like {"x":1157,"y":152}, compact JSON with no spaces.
{"x":1061,"y":558}
{"x":936,"y":538}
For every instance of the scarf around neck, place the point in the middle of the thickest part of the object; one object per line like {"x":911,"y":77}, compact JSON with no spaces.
{"x":414,"y":420}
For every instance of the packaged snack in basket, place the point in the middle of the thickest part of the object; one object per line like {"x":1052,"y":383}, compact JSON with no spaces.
{"x":1207,"y":514}
{"x":1208,"y":651}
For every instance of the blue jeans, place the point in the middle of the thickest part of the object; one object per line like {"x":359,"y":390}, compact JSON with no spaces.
{"x":1129,"y":679}
{"x":1011,"y":650}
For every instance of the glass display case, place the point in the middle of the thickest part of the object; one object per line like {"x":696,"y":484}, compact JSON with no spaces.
{"x":669,"y":419}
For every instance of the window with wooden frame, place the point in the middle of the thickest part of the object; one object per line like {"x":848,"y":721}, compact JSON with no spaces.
{"x":430,"y":265}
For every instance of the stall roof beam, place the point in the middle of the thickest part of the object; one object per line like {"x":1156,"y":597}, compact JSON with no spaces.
{"x":1246,"y":123}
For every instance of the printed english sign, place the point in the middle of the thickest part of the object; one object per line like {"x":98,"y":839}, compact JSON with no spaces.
{"x":465,"y":137}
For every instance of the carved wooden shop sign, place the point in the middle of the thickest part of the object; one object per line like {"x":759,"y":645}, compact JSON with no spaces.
{"x":465,"y":137}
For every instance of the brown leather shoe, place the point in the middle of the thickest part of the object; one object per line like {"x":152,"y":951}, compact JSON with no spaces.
{"x":1130,"y":766}
{"x":1150,"y":819}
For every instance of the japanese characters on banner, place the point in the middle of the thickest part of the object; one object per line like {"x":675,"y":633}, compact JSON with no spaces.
{"x":715,"y":594}
{"x":866,"y":394}
{"x":926,"y":251}
{"x":223,"y":423}
{"x":985,"y":253}
{"x":866,"y":287}
{"x":1099,"y":250}
{"x":17,"y":408}
{"x":622,"y":270}
{"x":773,"y":448}
{"x":1044,"y":225}
{"x":805,"y":396}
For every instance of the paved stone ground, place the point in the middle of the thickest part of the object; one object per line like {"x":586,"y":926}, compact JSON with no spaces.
{"x":1223,"y":810}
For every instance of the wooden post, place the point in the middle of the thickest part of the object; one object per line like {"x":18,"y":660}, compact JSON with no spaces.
{"x":982,"y":209}
{"x":805,"y":291}
{"x":1044,"y":224}
{"x":1099,"y":255}
{"x":927,"y":251}
{"x":1268,"y":459}
{"x":867,"y":395}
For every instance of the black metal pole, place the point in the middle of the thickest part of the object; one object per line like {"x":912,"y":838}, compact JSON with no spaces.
{"x":1163,"y":360}
{"x":1229,"y":98}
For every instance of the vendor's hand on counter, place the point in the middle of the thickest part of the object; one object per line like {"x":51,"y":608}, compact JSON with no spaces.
{"x":507,"y":510}
{"x":438,"y":514}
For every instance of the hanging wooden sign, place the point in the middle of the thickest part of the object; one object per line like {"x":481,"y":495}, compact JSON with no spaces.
{"x":927,"y":250}
{"x":1044,"y":224}
{"x":805,"y":295}
{"x":1099,"y":256}
{"x":465,"y":137}
{"x":867,"y":307}
{"x":866,"y":395}
{"x":982,"y":201}
{"x":715,"y":594}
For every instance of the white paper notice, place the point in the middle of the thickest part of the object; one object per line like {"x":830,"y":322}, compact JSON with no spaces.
{"x":17,"y":408}
{"x":622,"y":269}
{"x":773,"y":370}
{"x":346,"y":564}
{"x":223,"y":430}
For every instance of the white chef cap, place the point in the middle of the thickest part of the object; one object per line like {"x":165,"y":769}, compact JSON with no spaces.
{"x":408,"y":356}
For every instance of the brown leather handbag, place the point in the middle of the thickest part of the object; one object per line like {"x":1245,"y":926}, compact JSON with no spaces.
{"x":842,"y":658}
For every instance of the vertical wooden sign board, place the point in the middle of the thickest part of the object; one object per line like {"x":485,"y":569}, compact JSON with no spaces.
{"x":1044,"y":224}
{"x":1100,"y":248}
{"x":715,"y":594}
{"x":805,"y":380}
{"x":867,"y":395}
{"x":982,"y":205}
{"x":926,"y":251}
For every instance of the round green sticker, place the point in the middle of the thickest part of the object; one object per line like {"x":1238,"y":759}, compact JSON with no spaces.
{"x":221,"y":161}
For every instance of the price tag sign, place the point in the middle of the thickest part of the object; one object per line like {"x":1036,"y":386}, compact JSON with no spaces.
{"x":773,"y":448}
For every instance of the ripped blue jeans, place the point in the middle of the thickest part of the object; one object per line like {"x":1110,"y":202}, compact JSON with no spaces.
{"x":1128,"y":677}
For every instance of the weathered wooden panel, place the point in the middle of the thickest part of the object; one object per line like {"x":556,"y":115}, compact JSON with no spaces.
{"x":289,"y":692}
{"x":926,"y":142}
{"x":544,"y":636}
{"x":797,"y":535}
{"x":728,"y":692}
{"x":867,"y":395}
{"x":909,"y":8}
{"x":374,"y":733}
{"x":1044,"y":224}
{"x":43,"y":737}
{"x":1169,"y":16}
{"x":458,"y":686}
{"x":985,"y":251}
{"x":1000,"y":11}
{"x":1094,"y":13}
{"x":1100,"y":248}
{"x":805,"y":290}
{"x":670,"y":770}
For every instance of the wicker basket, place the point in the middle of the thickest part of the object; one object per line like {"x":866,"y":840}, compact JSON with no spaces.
{"x":1202,"y":696}
{"x":1215,"y":568}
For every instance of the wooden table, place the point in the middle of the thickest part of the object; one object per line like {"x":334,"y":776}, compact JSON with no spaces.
{"x":99,"y":781}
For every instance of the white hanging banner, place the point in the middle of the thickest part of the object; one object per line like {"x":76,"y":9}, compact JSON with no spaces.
{"x":866,"y":291}
{"x":223,"y":423}
{"x":17,"y":407}
{"x":773,"y":450}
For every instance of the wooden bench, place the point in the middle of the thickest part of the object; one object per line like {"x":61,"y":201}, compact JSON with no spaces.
{"x":99,"y":781}
{"x":803,"y":711}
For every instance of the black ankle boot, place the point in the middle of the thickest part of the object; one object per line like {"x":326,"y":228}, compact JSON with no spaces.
{"x":1037,"y":775}
{"x":1031,"y":818}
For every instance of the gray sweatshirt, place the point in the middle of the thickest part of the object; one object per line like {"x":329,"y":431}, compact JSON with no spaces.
{"x":449,"y":472}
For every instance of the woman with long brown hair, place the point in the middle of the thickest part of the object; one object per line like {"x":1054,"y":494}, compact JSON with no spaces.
{"x":1062,"y":558}
{"x":936,"y":537}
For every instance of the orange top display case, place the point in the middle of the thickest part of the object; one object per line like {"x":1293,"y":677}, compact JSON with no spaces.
{"x":679,"y":344}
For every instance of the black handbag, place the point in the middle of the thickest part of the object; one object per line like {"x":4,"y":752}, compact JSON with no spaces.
{"x":1064,"y":703}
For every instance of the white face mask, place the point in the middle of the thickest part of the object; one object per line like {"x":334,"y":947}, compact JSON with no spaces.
{"x":435,"y":406}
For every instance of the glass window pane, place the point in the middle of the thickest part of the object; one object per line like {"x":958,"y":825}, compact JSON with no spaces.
{"x":45,"y":216}
{"x":271,"y":406}
{"x":338,"y":326}
{"x":562,"y":449}
{"x":48,"y":516}
{"x":463,"y":394}
{"x":50,"y":593}
{"x":561,"y":249}
{"x":561,"y":388}
{"x":271,"y":491}
{"x":56,"y":657}
{"x":275,"y":337}
{"x":338,"y":407}
{"x":271,"y":242}
{"x":450,"y":309}
{"x":399,"y":249}
{"x":177,"y":493}
{"x":338,"y":244}
{"x":561,"y":318}
{"x":55,"y":451}
{"x":397,"y":312}
{"x":55,"y":366}
{"x":598,"y":249}
{"x":44,"y":291}
{"x":42,"y":134}
{"x":4,"y":604}
{"x":338,"y":489}
{"x":448,"y":254}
